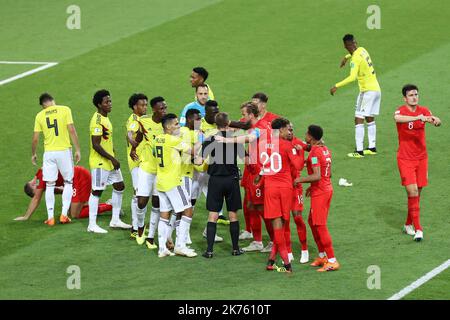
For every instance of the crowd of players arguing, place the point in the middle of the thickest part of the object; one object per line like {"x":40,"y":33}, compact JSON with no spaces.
{"x":173,"y":160}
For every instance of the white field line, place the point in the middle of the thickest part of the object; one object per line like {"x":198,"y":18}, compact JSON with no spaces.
{"x":420,"y":281}
{"x":44,"y":65}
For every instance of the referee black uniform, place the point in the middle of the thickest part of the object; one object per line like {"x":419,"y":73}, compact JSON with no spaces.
{"x":223,"y":184}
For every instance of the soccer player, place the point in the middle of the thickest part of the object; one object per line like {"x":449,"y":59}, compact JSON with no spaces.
{"x":297,"y":205}
{"x":198,"y":77}
{"x":138,"y":103}
{"x":105,"y":168}
{"x":321,"y":192}
{"x":150,"y":129}
{"x":201,"y":92}
{"x":412,"y":156}
{"x":369,"y":98}
{"x":172,"y":193}
{"x":80,"y":196}
{"x":56,"y":124}
{"x":223,"y":183}
{"x":190,"y":137}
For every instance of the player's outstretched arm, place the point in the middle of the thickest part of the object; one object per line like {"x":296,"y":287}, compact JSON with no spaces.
{"x":74,"y":137}
{"x":248,"y":138}
{"x":435,"y":120}
{"x":240,"y":125}
{"x":96,"y":140}
{"x":34,"y":204}
{"x":34,"y":144}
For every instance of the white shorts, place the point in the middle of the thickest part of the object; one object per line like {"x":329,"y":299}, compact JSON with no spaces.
{"x":187,"y":183}
{"x":199,"y":184}
{"x":146,"y":184}
{"x":54,"y":161}
{"x":368,"y":104}
{"x":135,"y":177}
{"x":175,"y":199}
{"x":102,"y":178}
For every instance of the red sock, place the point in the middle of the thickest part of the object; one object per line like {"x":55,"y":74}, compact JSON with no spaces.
{"x":287,"y":236}
{"x":301,"y":230}
{"x":273,"y":253}
{"x":281,"y":244}
{"x":102,"y":207}
{"x":255,"y":220}
{"x":414,"y":209}
{"x":316,"y":235}
{"x":247,"y":213}
{"x":325,"y":240}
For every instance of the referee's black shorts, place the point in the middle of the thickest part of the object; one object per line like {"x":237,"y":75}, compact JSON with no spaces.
{"x":220,"y":188}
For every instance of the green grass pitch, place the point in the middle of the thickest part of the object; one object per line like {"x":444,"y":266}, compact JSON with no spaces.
{"x":289,"y":49}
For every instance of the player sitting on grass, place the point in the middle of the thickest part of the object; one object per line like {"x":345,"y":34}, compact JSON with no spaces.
{"x":81,"y":188}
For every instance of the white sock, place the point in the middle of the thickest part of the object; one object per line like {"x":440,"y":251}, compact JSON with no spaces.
{"x":154,"y":220}
{"x":50,"y":199}
{"x":322,"y":254}
{"x":185,"y":225}
{"x":178,"y":241}
{"x":93,"y":209}
{"x":116,"y":204}
{"x":173,"y":219}
{"x":134,"y":209}
{"x":332,"y":260}
{"x":372,"y":134}
{"x":163,"y":226}
{"x":140,"y":217}
{"x":359,"y":137}
{"x":66,"y":197}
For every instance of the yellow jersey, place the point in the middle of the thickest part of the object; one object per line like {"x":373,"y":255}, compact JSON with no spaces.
{"x":133,"y":125}
{"x":152,"y":129}
{"x":190,"y":137}
{"x":361,"y":68}
{"x":168,"y":150}
{"x":207,"y":128}
{"x":101,"y":126}
{"x":52,"y":122}
{"x":210,"y":94}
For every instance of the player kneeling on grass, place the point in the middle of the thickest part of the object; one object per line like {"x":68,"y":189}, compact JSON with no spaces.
{"x":412,"y":156}
{"x":105,"y":168}
{"x":171,"y":191}
{"x":321,"y":192}
{"x":223,"y":183}
{"x":81,"y":189}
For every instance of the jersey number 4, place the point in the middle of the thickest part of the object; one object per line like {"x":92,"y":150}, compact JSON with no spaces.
{"x":54,"y":125}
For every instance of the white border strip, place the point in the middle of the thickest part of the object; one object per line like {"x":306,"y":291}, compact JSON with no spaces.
{"x":44,"y":65}
{"x":420,"y":281}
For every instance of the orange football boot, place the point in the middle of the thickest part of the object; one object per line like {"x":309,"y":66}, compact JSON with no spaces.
{"x":50,"y":222}
{"x":318,"y":262}
{"x":330,"y":266}
{"x":64,"y":219}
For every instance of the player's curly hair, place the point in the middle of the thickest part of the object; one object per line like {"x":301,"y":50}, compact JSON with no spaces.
{"x":135,"y":97}
{"x":279,"y":123}
{"x":202,"y":72}
{"x":348,"y":37}
{"x":156,"y":100}
{"x":98,"y":97}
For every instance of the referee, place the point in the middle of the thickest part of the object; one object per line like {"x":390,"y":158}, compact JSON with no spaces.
{"x":223,"y":183}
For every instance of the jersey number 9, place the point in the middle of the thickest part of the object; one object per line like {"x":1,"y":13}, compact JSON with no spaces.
{"x":159,"y":154}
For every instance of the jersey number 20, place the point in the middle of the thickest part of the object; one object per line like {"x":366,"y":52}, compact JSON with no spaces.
{"x":274,"y":159}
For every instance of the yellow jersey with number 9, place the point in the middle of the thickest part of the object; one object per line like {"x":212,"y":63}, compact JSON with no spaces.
{"x":52,"y":122}
{"x":168,"y":150}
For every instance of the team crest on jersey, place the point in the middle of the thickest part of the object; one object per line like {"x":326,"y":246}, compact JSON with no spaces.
{"x":294,"y":151}
{"x":325,"y":152}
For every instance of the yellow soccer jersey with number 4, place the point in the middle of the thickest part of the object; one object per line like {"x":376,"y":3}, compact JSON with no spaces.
{"x":52,"y":122}
{"x":133,"y":125}
{"x":168,"y":150}
{"x":101,"y":126}
{"x":152,"y":129}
